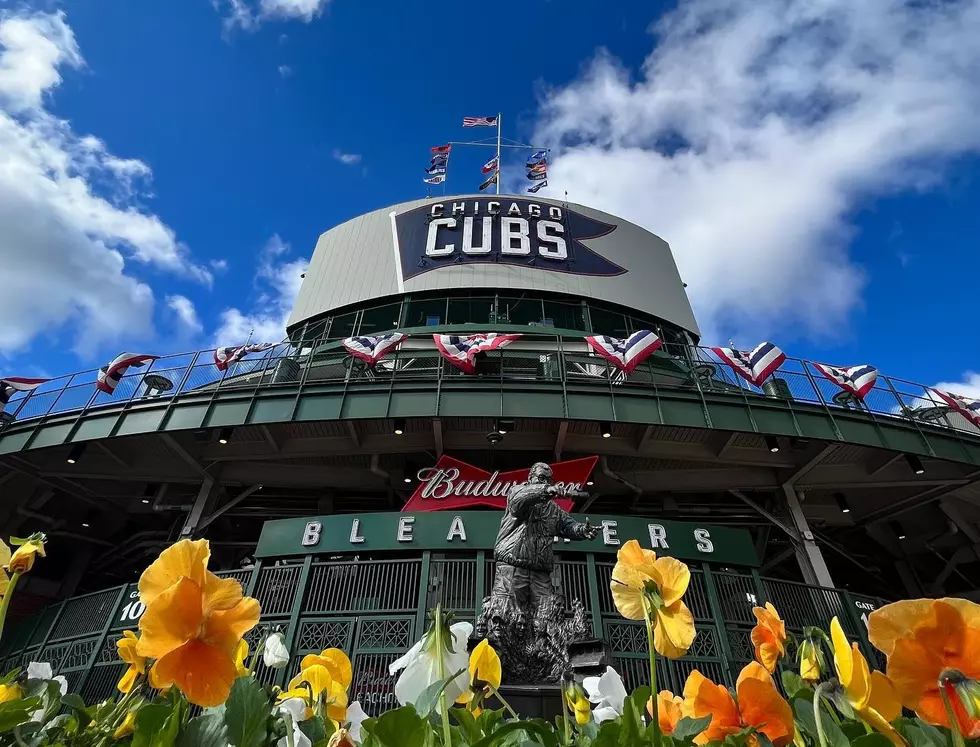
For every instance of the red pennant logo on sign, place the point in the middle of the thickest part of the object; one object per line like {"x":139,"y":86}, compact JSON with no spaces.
{"x":453,"y":484}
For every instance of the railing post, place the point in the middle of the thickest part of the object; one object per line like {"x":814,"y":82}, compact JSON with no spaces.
{"x":481,"y":573}
{"x":97,"y":651}
{"x":593,"y":579}
{"x":720,"y":628}
{"x":253,"y":580}
{"x":423,"y":594}
{"x":760,"y":588}
{"x":292,"y":631}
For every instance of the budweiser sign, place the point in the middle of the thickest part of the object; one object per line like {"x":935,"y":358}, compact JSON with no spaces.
{"x":453,"y":484}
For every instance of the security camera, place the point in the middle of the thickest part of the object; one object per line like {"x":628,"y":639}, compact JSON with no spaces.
{"x":494,"y":438}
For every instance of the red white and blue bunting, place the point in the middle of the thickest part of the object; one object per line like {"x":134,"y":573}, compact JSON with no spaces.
{"x":626,"y":354}
{"x":12,"y":384}
{"x":858,"y":380}
{"x":968,"y":408}
{"x":372,"y":349}
{"x":224,"y":357}
{"x":461,"y":350}
{"x":110,"y":375}
{"x":754,"y":367}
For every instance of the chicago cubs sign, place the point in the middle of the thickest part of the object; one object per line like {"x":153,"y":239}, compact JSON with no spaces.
{"x":502,"y":231}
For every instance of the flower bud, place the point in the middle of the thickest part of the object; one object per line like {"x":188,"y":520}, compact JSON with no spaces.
{"x":275,"y":655}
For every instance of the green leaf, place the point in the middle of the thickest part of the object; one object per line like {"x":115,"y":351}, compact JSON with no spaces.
{"x":872,"y":740}
{"x":688,"y":728}
{"x":151,"y":727}
{"x":608,"y":734}
{"x":429,"y":699}
{"x":803,"y":709}
{"x":401,"y":727}
{"x":207,"y":730}
{"x":634,"y":731}
{"x":535,"y":727}
{"x":468,"y":725}
{"x":792,"y":683}
{"x":73,"y":701}
{"x":246,"y":712}
{"x":16,"y":541}
{"x":313,"y":729}
{"x":13,"y":713}
{"x":9,"y":676}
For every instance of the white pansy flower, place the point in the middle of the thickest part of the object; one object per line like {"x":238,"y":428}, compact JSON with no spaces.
{"x":608,"y":693}
{"x":293,"y":710}
{"x":275,"y":655}
{"x":420,"y":666}
{"x":355,"y":717}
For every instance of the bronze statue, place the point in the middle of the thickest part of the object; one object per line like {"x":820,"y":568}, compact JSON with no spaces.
{"x":524,"y":616}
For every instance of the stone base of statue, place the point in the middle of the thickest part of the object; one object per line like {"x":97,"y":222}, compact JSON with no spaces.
{"x":530,"y":701}
{"x":533,"y":647}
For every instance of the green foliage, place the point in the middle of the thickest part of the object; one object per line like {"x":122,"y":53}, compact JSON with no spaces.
{"x":156,"y":726}
{"x":207,"y":730}
{"x":688,"y":728}
{"x":429,"y":699}
{"x":247,"y":713}
{"x":402,"y":727}
{"x":13,"y":713}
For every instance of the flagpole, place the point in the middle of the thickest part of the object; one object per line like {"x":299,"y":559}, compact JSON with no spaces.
{"x":499,"y":116}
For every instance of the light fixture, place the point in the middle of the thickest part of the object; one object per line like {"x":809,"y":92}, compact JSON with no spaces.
{"x":224,"y":435}
{"x":146,"y":500}
{"x":897,"y":528}
{"x":85,"y":524}
{"x":772,"y":444}
{"x":842,"y":503}
{"x":503,"y":426}
{"x":76,"y":453}
{"x":605,"y":429}
{"x":399,"y":428}
{"x":915,"y":463}
{"x":590,"y":482}
{"x":408,"y":477}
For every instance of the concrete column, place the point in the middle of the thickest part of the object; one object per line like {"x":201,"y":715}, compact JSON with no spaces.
{"x":202,"y":506}
{"x":808,"y":554}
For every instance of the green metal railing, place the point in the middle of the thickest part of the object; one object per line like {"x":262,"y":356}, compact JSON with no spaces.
{"x":375,"y":610}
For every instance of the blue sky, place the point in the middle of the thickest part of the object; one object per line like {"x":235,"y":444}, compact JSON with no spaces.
{"x":815,"y":171}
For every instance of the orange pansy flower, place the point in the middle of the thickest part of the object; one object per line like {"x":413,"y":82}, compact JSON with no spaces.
{"x":768,"y":636}
{"x":758,"y":705}
{"x":668,"y":710}
{"x":922,"y":638}
{"x":193,"y":623}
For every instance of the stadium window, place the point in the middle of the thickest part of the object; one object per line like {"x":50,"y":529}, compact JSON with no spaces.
{"x":610,"y":323}
{"x":470,"y":310}
{"x":565,"y":315}
{"x":426,"y":312}
{"x":380,"y":319}
{"x":342,"y":326}
{"x":522,"y":311}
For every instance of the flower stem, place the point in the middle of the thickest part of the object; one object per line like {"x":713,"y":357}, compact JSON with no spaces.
{"x":504,"y":703}
{"x":289,"y":729}
{"x":655,"y":709}
{"x":6,"y":600}
{"x":817,"y":715}
{"x":566,"y":706}
{"x":954,"y":724}
{"x":443,"y":710}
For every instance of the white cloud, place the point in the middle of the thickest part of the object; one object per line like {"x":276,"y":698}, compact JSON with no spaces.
{"x":249,"y":14}
{"x":753,"y":132}
{"x":219,"y":265}
{"x":278,"y":280}
{"x":285,"y":71}
{"x":63,"y":246}
{"x":183,"y":308}
{"x":968,"y":387}
{"x":348,"y":159}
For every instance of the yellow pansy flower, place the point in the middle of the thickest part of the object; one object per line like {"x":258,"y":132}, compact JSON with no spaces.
{"x":311,"y":682}
{"x":809,"y":662}
{"x":485,"y":674}
{"x":126,"y":648}
{"x":23,"y":558}
{"x":126,"y":727}
{"x":10,"y":692}
{"x":335,"y":661}
{"x":241,"y":654}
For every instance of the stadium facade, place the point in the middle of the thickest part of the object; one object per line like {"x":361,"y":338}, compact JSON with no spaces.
{"x":350,"y":497}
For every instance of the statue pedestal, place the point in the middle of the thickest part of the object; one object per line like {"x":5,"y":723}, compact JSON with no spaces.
{"x":530,"y":701}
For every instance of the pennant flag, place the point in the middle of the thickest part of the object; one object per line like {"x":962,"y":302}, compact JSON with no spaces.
{"x":754,"y":367}
{"x":372,"y":349}
{"x":535,"y":176}
{"x":626,"y":354}
{"x":436,"y":169}
{"x":968,"y":408}
{"x":490,"y":165}
{"x":536,"y":156}
{"x":491,"y":180}
{"x":858,"y":380}
{"x":438,"y":179}
{"x":540,"y":168}
{"x":12,"y":384}
{"x":441,"y":149}
{"x":537,"y":186}
{"x":461,"y":351}
{"x":109,"y":375}
{"x":479,"y":121}
{"x":439,"y":158}
{"x":224,"y":357}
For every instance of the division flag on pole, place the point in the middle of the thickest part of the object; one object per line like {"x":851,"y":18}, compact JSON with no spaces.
{"x":626,"y":354}
{"x":224,"y":357}
{"x":539,"y":168}
{"x":754,"y":367}
{"x":436,"y":169}
{"x":110,"y":375}
{"x":461,"y":351}
{"x":439,"y":158}
{"x":968,"y":408}
{"x":537,"y":175}
{"x":537,"y":156}
{"x":537,"y":186}
{"x":12,"y":384}
{"x":441,"y":149}
{"x":437,"y":179}
{"x":372,"y":349}
{"x":858,"y":380}
{"x":491,"y":180}
{"x":479,"y":121}
{"x":490,"y":165}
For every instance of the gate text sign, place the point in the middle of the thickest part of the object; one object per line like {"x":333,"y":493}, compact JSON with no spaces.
{"x":477,"y":530}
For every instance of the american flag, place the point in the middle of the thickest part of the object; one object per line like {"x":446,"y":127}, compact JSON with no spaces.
{"x":372,"y":349}
{"x":858,"y":380}
{"x":224,"y":357}
{"x":968,"y":408}
{"x":462,"y":351}
{"x":479,"y":121}
{"x":12,"y":384}
{"x":754,"y":367}
{"x":110,"y":375}
{"x":626,"y":354}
